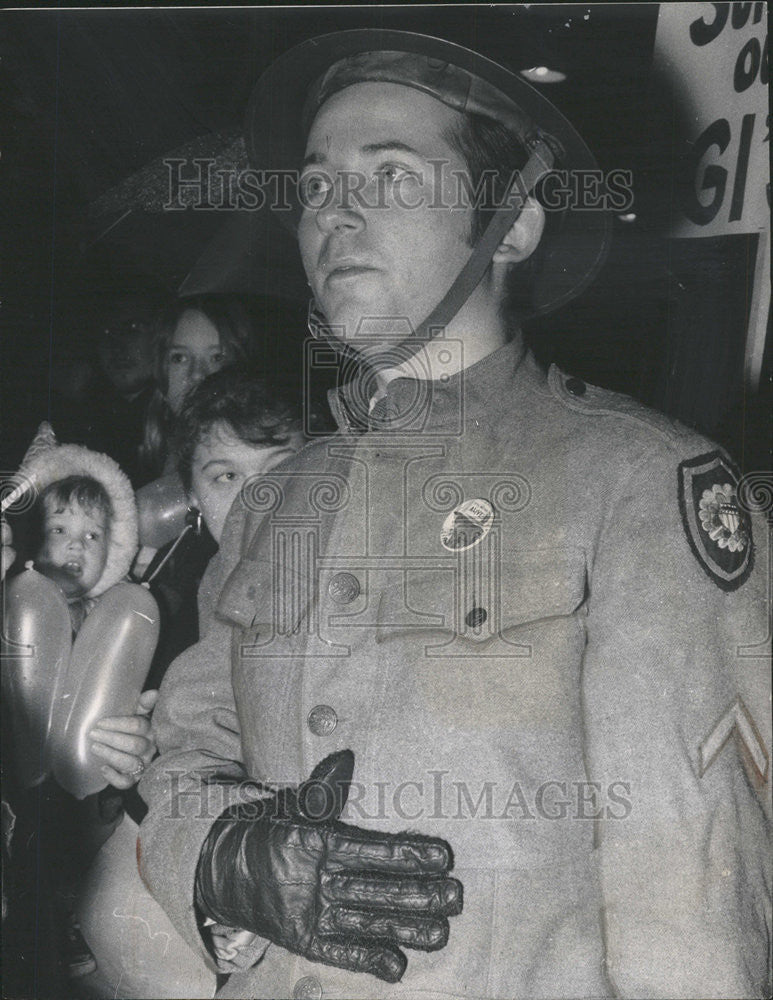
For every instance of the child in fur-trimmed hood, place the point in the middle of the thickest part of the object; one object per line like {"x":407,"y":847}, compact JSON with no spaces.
{"x":81,"y":533}
{"x":83,"y":524}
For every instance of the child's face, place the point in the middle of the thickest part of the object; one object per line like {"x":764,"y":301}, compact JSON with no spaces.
{"x":74,"y":549}
{"x":221,"y":463}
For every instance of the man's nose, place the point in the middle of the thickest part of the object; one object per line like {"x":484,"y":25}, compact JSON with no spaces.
{"x":75,"y":542}
{"x":342,"y":212}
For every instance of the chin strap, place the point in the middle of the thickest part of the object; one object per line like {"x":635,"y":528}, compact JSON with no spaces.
{"x":543,"y":152}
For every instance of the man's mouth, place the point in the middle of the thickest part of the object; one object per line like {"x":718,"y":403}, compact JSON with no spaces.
{"x":349,"y":271}
{"x":342,"y":270}
{"x":73,"y":568}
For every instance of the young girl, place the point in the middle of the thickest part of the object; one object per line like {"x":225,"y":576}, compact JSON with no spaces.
{"x":194,"y":338}
{"x":232,"y":427}
{"x":82,"y":534}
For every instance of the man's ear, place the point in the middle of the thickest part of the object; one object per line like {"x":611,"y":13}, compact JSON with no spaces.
{"x":524,"y":236}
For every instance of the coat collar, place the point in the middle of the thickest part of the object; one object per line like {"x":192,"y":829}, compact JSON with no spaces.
{"x":415,"y":405}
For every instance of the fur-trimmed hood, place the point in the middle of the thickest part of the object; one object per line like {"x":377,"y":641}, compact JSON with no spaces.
{"x":47,"y":461}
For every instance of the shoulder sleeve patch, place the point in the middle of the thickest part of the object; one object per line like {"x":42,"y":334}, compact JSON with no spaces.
{"x":718,"y":528}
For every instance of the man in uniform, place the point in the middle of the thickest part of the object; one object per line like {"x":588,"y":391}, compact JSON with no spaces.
{"x":519,"y":614}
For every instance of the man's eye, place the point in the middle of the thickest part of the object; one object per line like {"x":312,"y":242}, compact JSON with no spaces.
{"x":177,"y":358}
{"x":55,"y":531}
{"x":394,"y":172}
{"x":93,"y":536}
{"x":314,"y":189}
{"x":218,"y":358}
{"x":226,"y":477}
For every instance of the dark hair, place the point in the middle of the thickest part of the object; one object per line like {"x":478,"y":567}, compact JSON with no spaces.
{"x":493,"y":154}
{"x":256,"y":413}
{"x":232,"y":323}
{"x":84,"y":491}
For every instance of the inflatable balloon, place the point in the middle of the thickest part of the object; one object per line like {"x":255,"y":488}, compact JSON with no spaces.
{"x":162,"y":506}
{"x":37,"y":636}
{"x":108,"y":665}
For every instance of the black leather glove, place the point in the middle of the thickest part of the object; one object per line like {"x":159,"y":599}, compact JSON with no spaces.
{"x":287,"y":869}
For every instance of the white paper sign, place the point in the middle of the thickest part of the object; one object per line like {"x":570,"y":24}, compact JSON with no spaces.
{"x":715,"y":56}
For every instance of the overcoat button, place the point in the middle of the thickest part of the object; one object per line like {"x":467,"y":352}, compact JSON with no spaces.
{"x":307,"y":988}
{"x":251,"y":593}
{"x":576,"y":386}
{"x":322,"y":720}
{"x":344,"y":588}
{"x":476,"y":617}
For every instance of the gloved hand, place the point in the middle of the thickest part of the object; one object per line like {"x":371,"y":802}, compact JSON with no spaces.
{"x":286,"y":868}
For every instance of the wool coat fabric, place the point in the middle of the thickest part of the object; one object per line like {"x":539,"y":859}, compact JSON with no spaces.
{"x":534,"y":611}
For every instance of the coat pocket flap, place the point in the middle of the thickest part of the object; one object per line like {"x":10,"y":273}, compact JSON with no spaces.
{"x":261,"y":592}
{"x":487,"y":598}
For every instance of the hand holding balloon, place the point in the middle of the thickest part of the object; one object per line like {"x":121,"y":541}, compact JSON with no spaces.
{"x":125,"y":743}
{"x":107,"y":669}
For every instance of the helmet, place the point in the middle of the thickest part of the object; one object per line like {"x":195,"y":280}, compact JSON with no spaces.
{"x":292,"y":89}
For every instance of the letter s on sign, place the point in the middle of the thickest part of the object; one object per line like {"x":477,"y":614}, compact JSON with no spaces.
{"x":702,"y":32}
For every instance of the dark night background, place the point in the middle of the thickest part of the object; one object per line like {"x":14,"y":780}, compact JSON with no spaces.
{"x":93,"y":96}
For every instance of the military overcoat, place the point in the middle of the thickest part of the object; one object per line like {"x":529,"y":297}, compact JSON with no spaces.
{"x":536,"y":612}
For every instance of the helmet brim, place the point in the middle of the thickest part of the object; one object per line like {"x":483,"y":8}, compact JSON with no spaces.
{"x":275,"y":141}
